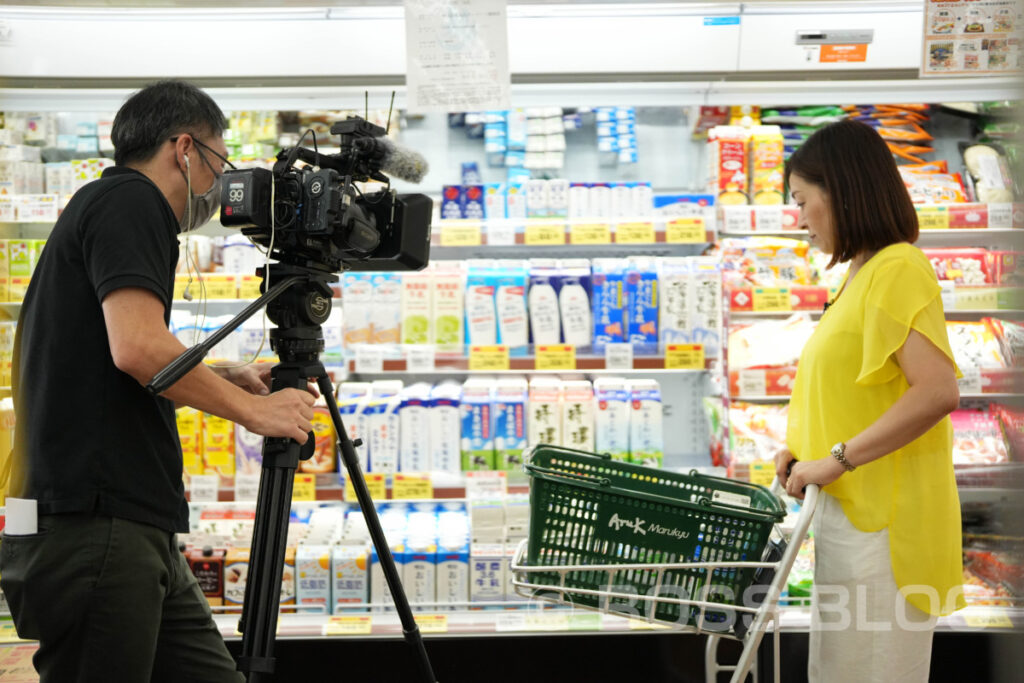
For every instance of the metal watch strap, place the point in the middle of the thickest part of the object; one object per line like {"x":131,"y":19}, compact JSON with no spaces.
{"x":839,"y":453}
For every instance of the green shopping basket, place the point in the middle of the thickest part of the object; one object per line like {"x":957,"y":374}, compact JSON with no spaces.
{"x":587,"y":509}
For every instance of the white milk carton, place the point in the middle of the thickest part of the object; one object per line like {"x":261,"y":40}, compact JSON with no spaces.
{"x":452,"y":562}
{"x":578,"y":415}
{"x":611,"y":418}
{"x":544,"y":421}
{"x":477,"y":425}
{"x":381,"y":411}
{"x":508,"y":402}
{"x":386,"y":308}
{"x":446,"y":427}
{"x":414,"y":429}
{"x":486,"y":571}
{"x":353,"y":397}
{"x":419,"y":575}
{"x":646,"y":439}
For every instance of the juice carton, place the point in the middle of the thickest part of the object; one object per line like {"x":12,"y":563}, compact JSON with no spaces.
{"x":381,"y":411}
{"x":646,"y":439}
{"x":574,"y":301}
{"x":642,"y":305}
{"x":313,"y":574}
{"x":729,"y":176}
{"x":419,"y":574}
{"x":357,"y":304}
{"x":325,"y":453}
{"x":609,"y":284}
{"x":207,"y":565}
{"x":352,"y":399}
{"x":578,"y":415}
{"x":545,"y":319}
{"x":477,"y":426}
{"x":481,"y":313}
{"x":446,"y":427}
{"x":416,"y":309}
{"x":414,"y":429}
{"x":447,"y":308}
{"x":611,"y":419}
{"x":544,"y":422}
{"x":236,"y":570}
{"x":452,"y":561}
{"x":350,"y":578}
{"x":767,"y":184}
{"x":510,"y":301}
{"x":509,"y":403}
{"x":190,"y":433}
{"x":386,"y":308}
{"x":219,"y":447}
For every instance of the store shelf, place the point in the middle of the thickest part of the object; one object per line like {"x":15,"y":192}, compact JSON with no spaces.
{"x":980,"y":237}
{"x":577,"y":232}
{"x":518,"y":364}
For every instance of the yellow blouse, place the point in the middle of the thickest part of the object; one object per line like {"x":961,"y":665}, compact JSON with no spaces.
{"x":847,"y":378}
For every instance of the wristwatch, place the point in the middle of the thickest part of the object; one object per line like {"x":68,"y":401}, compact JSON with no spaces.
{"x":839,"y":453}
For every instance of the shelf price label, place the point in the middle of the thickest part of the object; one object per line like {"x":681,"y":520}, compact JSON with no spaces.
{"x":376,"y":484}
{"x":590,"y":233}
{"x":432,"y":623}
{"x":369,"y":359}
{"x":420,"y":358}
{"x":556,"y":357}
{"x":933,"y":218}
{"x":220,"y":287}
{"x":488,"y":358}
{"x":544,"y":234}
{"x":772,"y":300}
{"x":585,"y":621}
{"x":409,"y":486}
{"x":618,"y":356}
{"x":635,"y":233}
{"x":486,"y":483}
{"x":684,"y":357}
{"x":989,"y":620}
{"x":686,"y":231}
{"x":249,"y":286}
{"x":461,"y":235}
{"x":976,"y":298}
{"x":203,"y":488}
{"x":349,"y":625}
{"x":305,"y":487}
{"x":247,"y":486}
{"x":762,"y":472}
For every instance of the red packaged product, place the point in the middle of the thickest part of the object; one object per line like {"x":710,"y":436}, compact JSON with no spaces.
{"x":962,"y":266}
{"x":1007,"y":267}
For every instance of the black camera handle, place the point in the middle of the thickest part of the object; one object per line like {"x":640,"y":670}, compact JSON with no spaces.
{"x":258,"y":623}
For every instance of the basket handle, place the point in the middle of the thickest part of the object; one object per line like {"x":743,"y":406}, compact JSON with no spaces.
{"x":779,"y":509}
{"x":587,"y":478}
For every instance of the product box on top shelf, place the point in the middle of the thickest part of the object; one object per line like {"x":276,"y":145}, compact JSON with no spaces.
{"x":729,"y":164}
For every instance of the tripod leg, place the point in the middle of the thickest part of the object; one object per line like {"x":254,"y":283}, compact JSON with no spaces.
{"x":348,"y":454}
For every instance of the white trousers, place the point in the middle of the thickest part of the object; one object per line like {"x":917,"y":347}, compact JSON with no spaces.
{"x":862,"y":629}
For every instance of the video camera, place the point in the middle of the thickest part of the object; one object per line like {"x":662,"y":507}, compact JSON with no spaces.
{"x":320,"y":217}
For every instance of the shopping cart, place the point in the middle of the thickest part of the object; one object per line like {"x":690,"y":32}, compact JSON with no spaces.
{"x":700,"y":554}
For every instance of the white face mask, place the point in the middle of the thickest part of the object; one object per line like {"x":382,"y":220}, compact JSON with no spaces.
{"x":199,"y":208}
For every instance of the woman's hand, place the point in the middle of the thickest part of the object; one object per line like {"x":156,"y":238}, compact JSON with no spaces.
{"x":821,"y":472}
{"x":783,"y":457}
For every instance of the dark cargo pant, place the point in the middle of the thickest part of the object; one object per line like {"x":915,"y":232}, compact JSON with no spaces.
{"x":110,"y":600}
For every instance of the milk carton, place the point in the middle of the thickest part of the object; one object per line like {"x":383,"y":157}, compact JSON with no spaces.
{"x":691,"y":302}
{"x":419,"y":574}
{"x":386,"y":308}
{"x":357,"y":304}
{"x":642,"y":305}
{"x":510,"y":301}
{"x":494,"y":200}
{"x":481,"y":312}
{"x":544,"y":421}
{"x":452,"y":561}
{"x":350,"y":578}
{"x":381,"y":411}
{"x":574,"y":302}
{"x":477,"y":434}
{"x":646,"y":439}
{"x":393,"y":521}
{"x":578,"y":415}
{"x":447,"y":308}
{"x":537,"y":198}
{"x":313,"y":577}
{"x":414,"y":429}
{"x":609,"y":286}
{"x":558,"y":198}
{"x":611,"y":419}
{"x":445,"y":433}
{"x":545,"y":318}
{"x":509,"y":402}
{"x":352,"y":399}
{"x":416,"y":309}
{"x":486,"y":571}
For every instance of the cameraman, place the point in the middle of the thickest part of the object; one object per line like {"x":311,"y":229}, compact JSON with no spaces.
{"x":101,"y":583}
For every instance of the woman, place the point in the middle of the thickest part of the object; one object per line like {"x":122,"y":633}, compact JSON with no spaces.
{"x":868,"y":420}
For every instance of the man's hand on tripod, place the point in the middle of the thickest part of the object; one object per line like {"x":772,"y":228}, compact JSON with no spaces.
{"x":254,"y":377}
{"x":285,"y":413}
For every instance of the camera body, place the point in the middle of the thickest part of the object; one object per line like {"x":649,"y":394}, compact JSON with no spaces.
{"x":314,"y":216}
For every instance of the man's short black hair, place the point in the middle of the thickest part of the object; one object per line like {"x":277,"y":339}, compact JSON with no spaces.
{"x":159,"y":111}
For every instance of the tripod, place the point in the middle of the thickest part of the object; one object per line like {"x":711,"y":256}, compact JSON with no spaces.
{"x":299,"y":303}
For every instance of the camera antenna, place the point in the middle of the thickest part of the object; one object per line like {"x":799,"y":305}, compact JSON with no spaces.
{"x":387,"y":129}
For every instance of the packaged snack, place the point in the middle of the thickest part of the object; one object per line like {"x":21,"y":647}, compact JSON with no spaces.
{"x":989,"y":170}
{"x":1010,"y":336}
{"x":729,"y":167}
{"x":974,"y":345}
{"x":768,"y":343}
{"x":977,"y":438}
{"x":766,"y":162}
{"x":962,"y":266}
{"x":933,"y":188}
{"x":756,"y":431}
{"x":1012,"y":421}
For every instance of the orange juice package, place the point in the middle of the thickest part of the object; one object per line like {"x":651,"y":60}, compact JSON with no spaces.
{"x":190,"y":433}
{"x":325,"y":457}
{"x":767,"y":149}
{"x":728,"y":157}
{"x":219,"y":447}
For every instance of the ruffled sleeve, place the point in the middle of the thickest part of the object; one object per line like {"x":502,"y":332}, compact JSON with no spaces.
{"x":902,"y":295}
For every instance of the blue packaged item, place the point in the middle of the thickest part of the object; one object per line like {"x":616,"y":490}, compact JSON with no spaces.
{"x":477,"y":426}
{"x":609,"y":285}
{"x":451,"y":202}
{"x":471,"y":173}
{"x":510,"y":302}
{"x":517,"y":159}
{"x":642,"y":305}
{"x":471,"y":201}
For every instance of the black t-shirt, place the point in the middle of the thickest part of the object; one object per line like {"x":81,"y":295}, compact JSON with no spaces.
{"x":89,"y":437}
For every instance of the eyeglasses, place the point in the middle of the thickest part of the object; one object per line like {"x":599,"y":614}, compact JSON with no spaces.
{"x":224,"y":167}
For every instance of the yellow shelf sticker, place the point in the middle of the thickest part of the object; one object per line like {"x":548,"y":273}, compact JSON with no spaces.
{"x":544,"y":234}
{"x":218,"y":287}
{"x":988,"y":620}
{"x":557,"y":357}
{"x":464,"y":235}
{"x":375,"y":483}
{"x":635,"y":233}
{"x":412,"y":486}
{"x":772,"y":300}
{"x":762,"y":472}
{"x":249,"y":286}
{"x":590,"y":233}
{"x":488,"y":358}
{"x":354,"y":625}
{"x":305,"y":487}
{"x":933,"y":218}
{"x":684,"y":357}
{"x":432,"y":623}
{"x":686,"y":231}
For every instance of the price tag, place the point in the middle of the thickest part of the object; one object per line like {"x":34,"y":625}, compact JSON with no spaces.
{"x":686,"y":231}
{"x":509,"y":622}
{"x":753,"y":383}
{"x":948,"y":294}
{"x":419,"y":358}
{"x":501,"y":234}
{"x":762,"y":472}
{"x":369,"y":359}
{"x":486,"y":484}
{"x":305,"y":487}
{"x":768,"y":218}
{"x":970,"y":383}
{"x":203,"y":488}
{"x":977,"y":298}
{"x":432,"y":623}
{"x":737,"y":218}
{"x":988,"y":620}
{"x":375,"y":483}
{"x":412,"y":486}
{"x":464,"y":235}
{"x":546,"y":621}
{"x":247,"y":486}
{"x":180,"y":282}
{"x":590,"y":233}
{"x":8,"y":633}
{"x":556,"y":357}
{"x":1000,"y":216}
{"x":541,"y":234}
{"x":355,"y":625}
{"x":933,"y":218}
{"x":684,"y":357}
{"x":618,"y":356}
{"x":585,"y":621}
{"x":772,"y":299}
{"x":488,"y":358}
{"x":635,"y":233}
{"x":220,"y":286}
{"x":249,"y":286}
